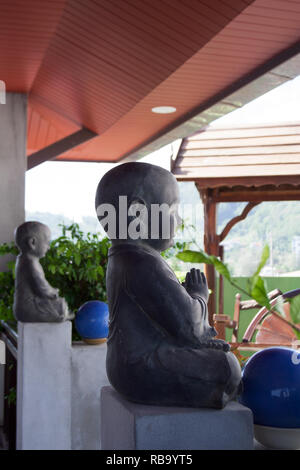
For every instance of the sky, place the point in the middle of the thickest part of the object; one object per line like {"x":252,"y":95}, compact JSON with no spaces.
{"x":69,"y":188}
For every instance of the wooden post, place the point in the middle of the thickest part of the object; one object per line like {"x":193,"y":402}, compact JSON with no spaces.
{"x":221,"y":284}
{"x":211,"y":245}
{"x":212,"y":241}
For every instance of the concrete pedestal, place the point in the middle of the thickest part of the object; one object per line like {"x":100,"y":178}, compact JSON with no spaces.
{"x":88,"y":377}
{"x":58,"y":389}
{"x":44,"y":386}
{"x":129,"y":426}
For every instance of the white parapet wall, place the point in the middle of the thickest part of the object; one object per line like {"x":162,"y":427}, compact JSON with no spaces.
{"x":58,"y":393}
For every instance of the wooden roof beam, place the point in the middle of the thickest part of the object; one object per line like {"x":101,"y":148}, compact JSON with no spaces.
{"x":61,"y":146}
{"x":254,"y":195}
{"x":245,"y":181}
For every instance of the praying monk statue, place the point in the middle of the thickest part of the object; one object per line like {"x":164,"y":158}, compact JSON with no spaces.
{"x":35,"y":300}
{"x":161,"y":349}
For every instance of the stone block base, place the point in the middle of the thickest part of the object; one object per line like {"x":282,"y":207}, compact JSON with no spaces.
{"x":130,"y":426}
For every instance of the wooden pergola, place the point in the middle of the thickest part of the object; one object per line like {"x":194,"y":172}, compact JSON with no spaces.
{"x":245,"y":164}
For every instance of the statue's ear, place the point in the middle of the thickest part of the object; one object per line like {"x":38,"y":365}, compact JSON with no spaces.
{"x":32,"y":243}
{"x":135,"y":206}
{"x":138,"y":216}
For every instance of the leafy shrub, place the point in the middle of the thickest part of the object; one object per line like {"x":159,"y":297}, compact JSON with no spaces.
{"x":76,"y":264}
{"x":257,"y":287}
{"x":7,"y":283}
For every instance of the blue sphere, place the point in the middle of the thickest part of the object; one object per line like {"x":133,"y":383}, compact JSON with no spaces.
{"x":91,"y":320}
{"x":271,"y":380}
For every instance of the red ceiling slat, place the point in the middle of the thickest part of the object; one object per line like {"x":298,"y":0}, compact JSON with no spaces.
{"x":220,"y":7}
{"x":35,"y":121}
{"x":256,"y":41}
{"x":245,"y":26}
{"x":277,"y":23}
{"x":277,"y":14}
{"x":239,"y":4}
{"x":278,"y":5}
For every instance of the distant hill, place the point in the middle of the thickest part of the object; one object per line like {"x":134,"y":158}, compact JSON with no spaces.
{"x":274,"y":223}
{"x":88,"y":224}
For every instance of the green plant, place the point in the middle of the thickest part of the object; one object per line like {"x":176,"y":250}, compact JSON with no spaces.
{"x":7,"y":280}
{"x":12,"y":396}
{"x":76,"y":265}
{"x":295,"y":311}
{"x":257,"y":287}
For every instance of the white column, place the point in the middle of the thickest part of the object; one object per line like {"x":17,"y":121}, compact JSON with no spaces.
{"x":13,"y":129}
{"x":44,"y":386}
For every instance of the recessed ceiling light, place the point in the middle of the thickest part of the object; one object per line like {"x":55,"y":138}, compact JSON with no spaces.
{"x":163,"y":109}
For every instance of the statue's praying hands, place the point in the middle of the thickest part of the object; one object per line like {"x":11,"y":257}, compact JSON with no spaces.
{"x":195,"y":284}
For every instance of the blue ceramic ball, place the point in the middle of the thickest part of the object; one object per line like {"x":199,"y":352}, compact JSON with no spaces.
{"x":271,"y":382}
{"x":91,"y":321}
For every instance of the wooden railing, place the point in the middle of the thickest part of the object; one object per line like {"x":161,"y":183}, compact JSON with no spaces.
{"x":10,"y":338}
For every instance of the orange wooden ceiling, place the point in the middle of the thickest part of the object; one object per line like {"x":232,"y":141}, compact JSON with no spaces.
{"x":103,"y":64}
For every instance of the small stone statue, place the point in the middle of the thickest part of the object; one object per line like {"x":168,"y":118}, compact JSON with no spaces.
{"x":160,"y":348}
{"x":35,"y":300}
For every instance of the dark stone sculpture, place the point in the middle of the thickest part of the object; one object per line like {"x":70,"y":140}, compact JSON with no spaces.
{"x":35,"y":300}
{"x":161,"y":349}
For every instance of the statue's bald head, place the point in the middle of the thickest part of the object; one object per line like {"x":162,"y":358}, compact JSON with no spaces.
{"x":31,"y":236}
{"x":139,"y":183}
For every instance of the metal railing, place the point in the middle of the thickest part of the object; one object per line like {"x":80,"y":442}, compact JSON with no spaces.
{"x":10,"y":338}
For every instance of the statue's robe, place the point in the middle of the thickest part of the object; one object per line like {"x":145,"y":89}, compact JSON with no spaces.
{"x":158,"y":345}
{"x":31,"y":298}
